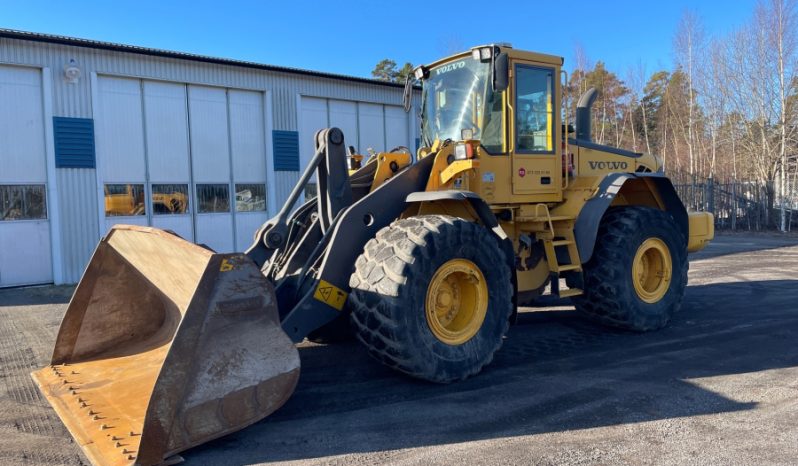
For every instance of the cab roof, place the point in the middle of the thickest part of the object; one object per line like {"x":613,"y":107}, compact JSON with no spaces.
{"x":511,"y":52}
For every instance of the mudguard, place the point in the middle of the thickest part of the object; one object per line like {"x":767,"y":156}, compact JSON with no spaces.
{"x":589,"y":218}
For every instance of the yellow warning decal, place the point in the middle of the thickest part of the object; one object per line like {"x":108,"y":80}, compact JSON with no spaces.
{"x":330,"y":294}
{"x":226,"y":266}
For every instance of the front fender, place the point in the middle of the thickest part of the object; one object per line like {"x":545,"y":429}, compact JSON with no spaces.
{"x":485,"y":215}
{"x":477,"y":203}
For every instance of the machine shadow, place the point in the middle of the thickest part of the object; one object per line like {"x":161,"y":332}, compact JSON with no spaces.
{"x":555,"y":372}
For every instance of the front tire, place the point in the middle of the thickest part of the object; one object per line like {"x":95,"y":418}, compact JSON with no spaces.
{"x":637,"y":275}
{"x":432,"y":297}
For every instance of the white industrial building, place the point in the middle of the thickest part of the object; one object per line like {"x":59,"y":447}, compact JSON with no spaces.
{"x":93,"y":134}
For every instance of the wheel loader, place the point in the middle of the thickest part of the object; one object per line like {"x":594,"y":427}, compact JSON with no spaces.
{"x":424,"y":257}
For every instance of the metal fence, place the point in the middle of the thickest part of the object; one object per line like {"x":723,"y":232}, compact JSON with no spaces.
{"x":737,"y":205}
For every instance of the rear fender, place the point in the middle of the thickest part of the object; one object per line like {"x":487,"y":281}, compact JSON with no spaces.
{"x":651,"y":189}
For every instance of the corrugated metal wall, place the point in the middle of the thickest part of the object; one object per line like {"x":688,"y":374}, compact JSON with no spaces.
{"x":77,"y":187}
{"x":74,"y":100}
{"x":77,"y":192}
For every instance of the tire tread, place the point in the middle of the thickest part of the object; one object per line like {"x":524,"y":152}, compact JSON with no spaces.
{"x":385,"y":271}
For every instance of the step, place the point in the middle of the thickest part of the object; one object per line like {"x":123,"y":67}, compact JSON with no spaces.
{"x":568,"y":268}
{"x":562,"y":242}
{"x":553,"y":218}
{"x":570,"y":292}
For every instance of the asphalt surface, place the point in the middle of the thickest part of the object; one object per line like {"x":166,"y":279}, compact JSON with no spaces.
{"x":718,"y":386}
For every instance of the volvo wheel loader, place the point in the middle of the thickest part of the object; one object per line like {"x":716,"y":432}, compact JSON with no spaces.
{"x":424,"y":257}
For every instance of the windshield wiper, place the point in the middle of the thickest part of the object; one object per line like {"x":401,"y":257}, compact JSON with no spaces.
{"x":425,"y":138}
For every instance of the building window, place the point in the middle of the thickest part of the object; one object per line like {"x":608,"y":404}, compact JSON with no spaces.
{"x":124,"y":200}
{"x":169,"y":199}
{"x":535,"y":109}
{"x":250,"y":197}
{"x":213,"y":198}
{"x":22,"y":202}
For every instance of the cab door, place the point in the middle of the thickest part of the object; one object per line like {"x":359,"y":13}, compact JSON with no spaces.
{"x":533,"y":133}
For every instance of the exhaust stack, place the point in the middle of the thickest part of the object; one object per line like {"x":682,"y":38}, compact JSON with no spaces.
{"x":583,"y":114}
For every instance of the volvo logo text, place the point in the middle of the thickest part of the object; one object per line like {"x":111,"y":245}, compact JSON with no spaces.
{"x":608,"y":165}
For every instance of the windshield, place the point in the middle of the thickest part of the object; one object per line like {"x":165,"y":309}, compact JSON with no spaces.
{"x":457,"y":96}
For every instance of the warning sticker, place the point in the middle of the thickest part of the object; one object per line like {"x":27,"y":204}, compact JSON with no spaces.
{"x":226,"y":266}
{"x":330,"y":294}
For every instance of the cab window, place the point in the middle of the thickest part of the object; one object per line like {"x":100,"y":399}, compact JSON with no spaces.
{"x":534,"y":109}
{"x":458,"y":96}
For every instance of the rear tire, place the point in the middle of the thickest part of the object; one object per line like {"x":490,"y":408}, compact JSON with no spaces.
{"x":391,"y":288}
{"x":611,"y":295}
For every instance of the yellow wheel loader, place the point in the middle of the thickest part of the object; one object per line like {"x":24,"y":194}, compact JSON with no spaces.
{"x":424,"y":257}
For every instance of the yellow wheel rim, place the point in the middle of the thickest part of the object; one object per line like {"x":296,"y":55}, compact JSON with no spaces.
{"x":457,"y":301}
{"x":652,"y":270}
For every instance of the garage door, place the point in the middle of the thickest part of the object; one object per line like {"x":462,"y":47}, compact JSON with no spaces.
{"x":167,"y":144}
{"x":365,"y":125}
{"x":25,"y":254}
{"x":187,"y":158}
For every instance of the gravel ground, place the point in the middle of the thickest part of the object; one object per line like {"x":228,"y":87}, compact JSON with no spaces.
{"x":718,"y":386}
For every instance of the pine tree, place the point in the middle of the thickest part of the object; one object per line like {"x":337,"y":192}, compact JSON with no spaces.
{"x":405,"y":72}
{"x":385,"y":70}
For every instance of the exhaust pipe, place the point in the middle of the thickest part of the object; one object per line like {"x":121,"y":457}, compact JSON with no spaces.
{"x":583,"y":114}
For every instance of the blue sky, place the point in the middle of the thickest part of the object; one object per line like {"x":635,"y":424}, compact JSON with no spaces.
{"x":350,"y":36}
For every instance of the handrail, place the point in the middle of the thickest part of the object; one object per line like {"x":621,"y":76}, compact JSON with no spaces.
{"x":564,"y":130}
{"x":548,"y":216}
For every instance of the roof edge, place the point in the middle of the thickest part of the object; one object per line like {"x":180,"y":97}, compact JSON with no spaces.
{"x":94,"y":44}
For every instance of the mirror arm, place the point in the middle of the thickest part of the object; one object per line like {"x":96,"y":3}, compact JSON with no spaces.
{"x":407,"y":96}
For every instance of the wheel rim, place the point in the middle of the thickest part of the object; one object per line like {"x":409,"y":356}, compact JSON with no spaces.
{"x":652,"y":270}
{"x":457,"y":301}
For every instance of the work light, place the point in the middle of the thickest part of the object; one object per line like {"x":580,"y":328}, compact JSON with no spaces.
{"x":463,"y":152}
{"x":482,"y":53}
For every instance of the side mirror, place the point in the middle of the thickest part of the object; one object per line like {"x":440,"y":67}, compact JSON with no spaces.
{"x":501,"y":72}
{"x":407,"y":97}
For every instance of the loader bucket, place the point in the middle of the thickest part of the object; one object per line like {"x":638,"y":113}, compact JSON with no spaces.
{"x":166,"y":345}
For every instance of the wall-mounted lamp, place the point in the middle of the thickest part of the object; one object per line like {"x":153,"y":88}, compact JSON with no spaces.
{"x":71,"y":72}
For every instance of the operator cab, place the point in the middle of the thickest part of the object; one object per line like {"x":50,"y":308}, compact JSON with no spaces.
{"x":507,"y":103}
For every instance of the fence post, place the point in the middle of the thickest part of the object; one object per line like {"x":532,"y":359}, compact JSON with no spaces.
{"x":711,"y":195}
{"x":734,"y":206}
